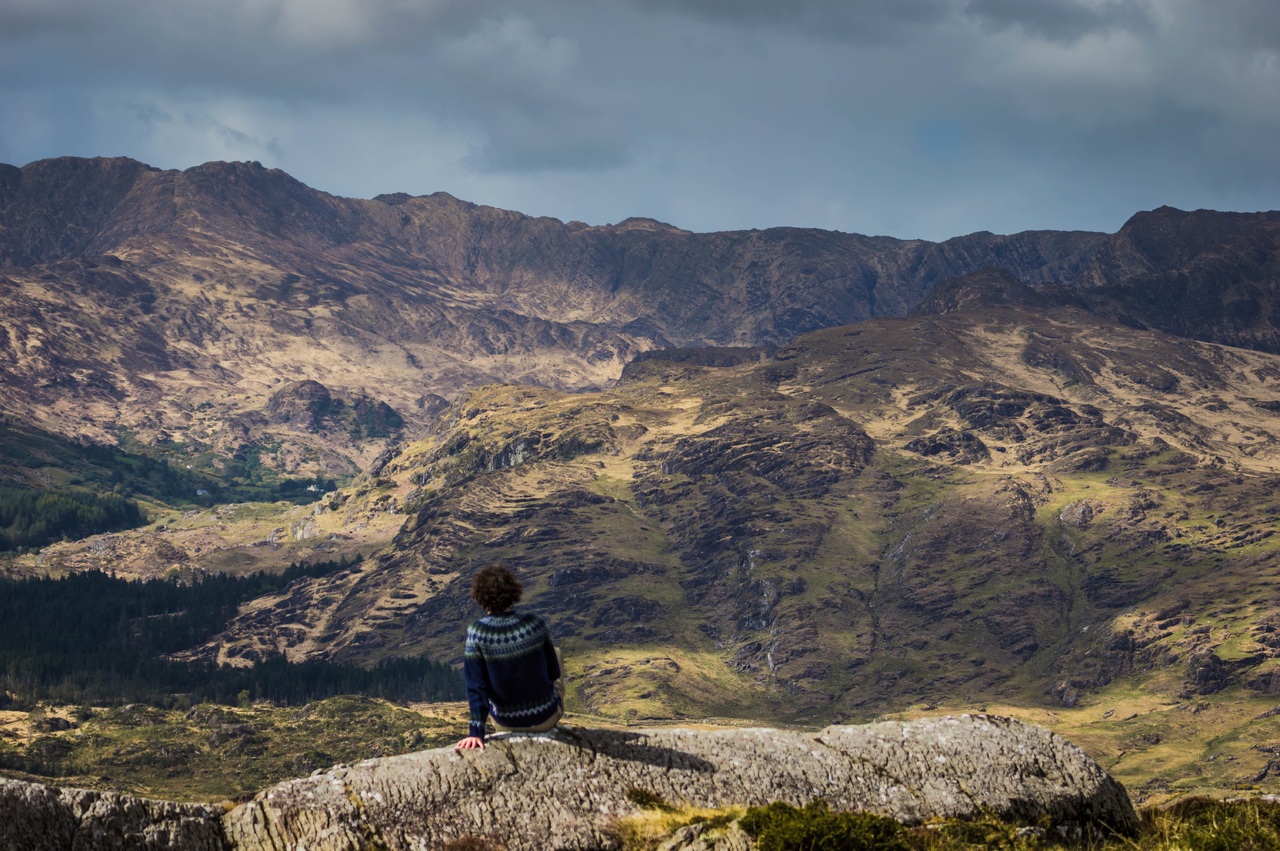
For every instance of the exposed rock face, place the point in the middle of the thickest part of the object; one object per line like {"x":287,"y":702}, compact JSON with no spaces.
{"x":310,"y":406}
{"x":564,"y":790}
{"x":36,"y":818}
{"x":1203,"y":274}
{"x":989,"y":288}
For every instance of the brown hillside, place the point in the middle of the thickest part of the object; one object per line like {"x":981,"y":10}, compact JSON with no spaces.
{"x":955,"y":508}
{"x":173,"y":304}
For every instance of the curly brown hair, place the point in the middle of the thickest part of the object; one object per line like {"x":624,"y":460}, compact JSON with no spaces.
{"x":496,"y":588}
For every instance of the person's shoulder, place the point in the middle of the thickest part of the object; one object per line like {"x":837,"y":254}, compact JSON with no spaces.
{"x":532,"y":619}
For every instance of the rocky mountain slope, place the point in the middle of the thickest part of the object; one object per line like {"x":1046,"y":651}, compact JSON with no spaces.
{"x":990,"y":505}
{"x":1210,"y":276}
{"x":174,"y":305}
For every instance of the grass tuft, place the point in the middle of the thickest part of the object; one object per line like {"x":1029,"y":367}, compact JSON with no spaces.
{"x":647,"y":800}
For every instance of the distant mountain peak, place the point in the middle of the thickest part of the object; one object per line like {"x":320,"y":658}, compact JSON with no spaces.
{"x":640,"y":223}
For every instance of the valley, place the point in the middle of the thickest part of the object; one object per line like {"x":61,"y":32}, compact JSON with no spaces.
{"x":782,"y":476}
{"x":857,"y":525}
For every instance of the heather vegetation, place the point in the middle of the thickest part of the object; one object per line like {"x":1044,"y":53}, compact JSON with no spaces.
{"x":172,"y":474}
{"x":209,"y":751}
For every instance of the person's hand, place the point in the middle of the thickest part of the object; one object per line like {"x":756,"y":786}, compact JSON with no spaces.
{"x":469,"y":743}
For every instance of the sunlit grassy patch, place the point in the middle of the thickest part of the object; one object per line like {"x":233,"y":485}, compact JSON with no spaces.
{"x":1193,"y":824}
{"x":663,"y":682}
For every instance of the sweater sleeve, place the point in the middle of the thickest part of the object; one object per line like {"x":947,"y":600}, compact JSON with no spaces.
{"x":553,"y":664}
{"x":478,"y":687}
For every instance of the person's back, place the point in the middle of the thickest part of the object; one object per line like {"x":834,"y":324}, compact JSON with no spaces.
{"x":511,"y":666}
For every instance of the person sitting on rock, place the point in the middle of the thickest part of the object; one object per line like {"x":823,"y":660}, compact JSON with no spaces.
{"x":512,"y":668}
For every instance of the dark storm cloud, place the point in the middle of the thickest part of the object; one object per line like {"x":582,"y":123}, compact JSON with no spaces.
{"x":917,"y":118}
{"x":1050,"y":19}
{"x":1251,"y":24}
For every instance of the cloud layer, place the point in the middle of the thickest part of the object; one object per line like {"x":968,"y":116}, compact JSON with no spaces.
{"x":918,"y":118}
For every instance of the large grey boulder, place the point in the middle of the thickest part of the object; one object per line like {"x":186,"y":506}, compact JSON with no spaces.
{"x":564,"y":789}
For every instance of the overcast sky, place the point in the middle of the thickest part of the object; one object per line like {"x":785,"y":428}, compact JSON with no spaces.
{"x":913,"y":118}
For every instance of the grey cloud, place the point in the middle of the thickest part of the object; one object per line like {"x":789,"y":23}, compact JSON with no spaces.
{"x":857,"y":19}
{"x":915,"y":118}
{"x":515,"y":147}
{"x":479,"y":65}
{"x":1062,"y":20}
{"x":771,"y":10}
{"x":25,"y":18}
{"x":1251,"y":24}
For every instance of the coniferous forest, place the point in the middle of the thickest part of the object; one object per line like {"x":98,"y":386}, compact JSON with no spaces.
{"x":35,"y":517}
{"x":93,"y":638}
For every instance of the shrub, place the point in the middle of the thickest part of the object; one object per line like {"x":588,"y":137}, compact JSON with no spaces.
{"x":645,"y":799}
{"x":782,"y":827}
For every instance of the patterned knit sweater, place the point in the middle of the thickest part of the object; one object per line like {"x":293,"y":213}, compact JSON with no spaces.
{"x":510,"y":667}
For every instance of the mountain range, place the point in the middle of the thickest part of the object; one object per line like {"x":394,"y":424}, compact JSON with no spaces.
{"x":131,"y":293}
{"x":787,"y":472}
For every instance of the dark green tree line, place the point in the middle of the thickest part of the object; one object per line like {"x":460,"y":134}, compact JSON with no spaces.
{"x":92,"y":638}
{"x":35,"y":517}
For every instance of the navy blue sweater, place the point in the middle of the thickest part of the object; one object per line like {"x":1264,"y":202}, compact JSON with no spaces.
{"x":510,"y":667}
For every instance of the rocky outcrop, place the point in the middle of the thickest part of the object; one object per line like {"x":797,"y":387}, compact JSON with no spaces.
{"x":991,"y":288}
{"x":310,"y":406}
{"x":36,"y":818}
{"x":566,"y":789}
{"x":1204,"y":274}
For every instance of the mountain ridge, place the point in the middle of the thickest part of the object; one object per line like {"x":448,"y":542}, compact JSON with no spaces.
{"x":133,"y":295}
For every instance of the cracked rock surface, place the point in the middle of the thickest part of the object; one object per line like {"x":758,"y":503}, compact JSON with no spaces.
{"x":35,"y":818}
{"x":564,"y":790}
